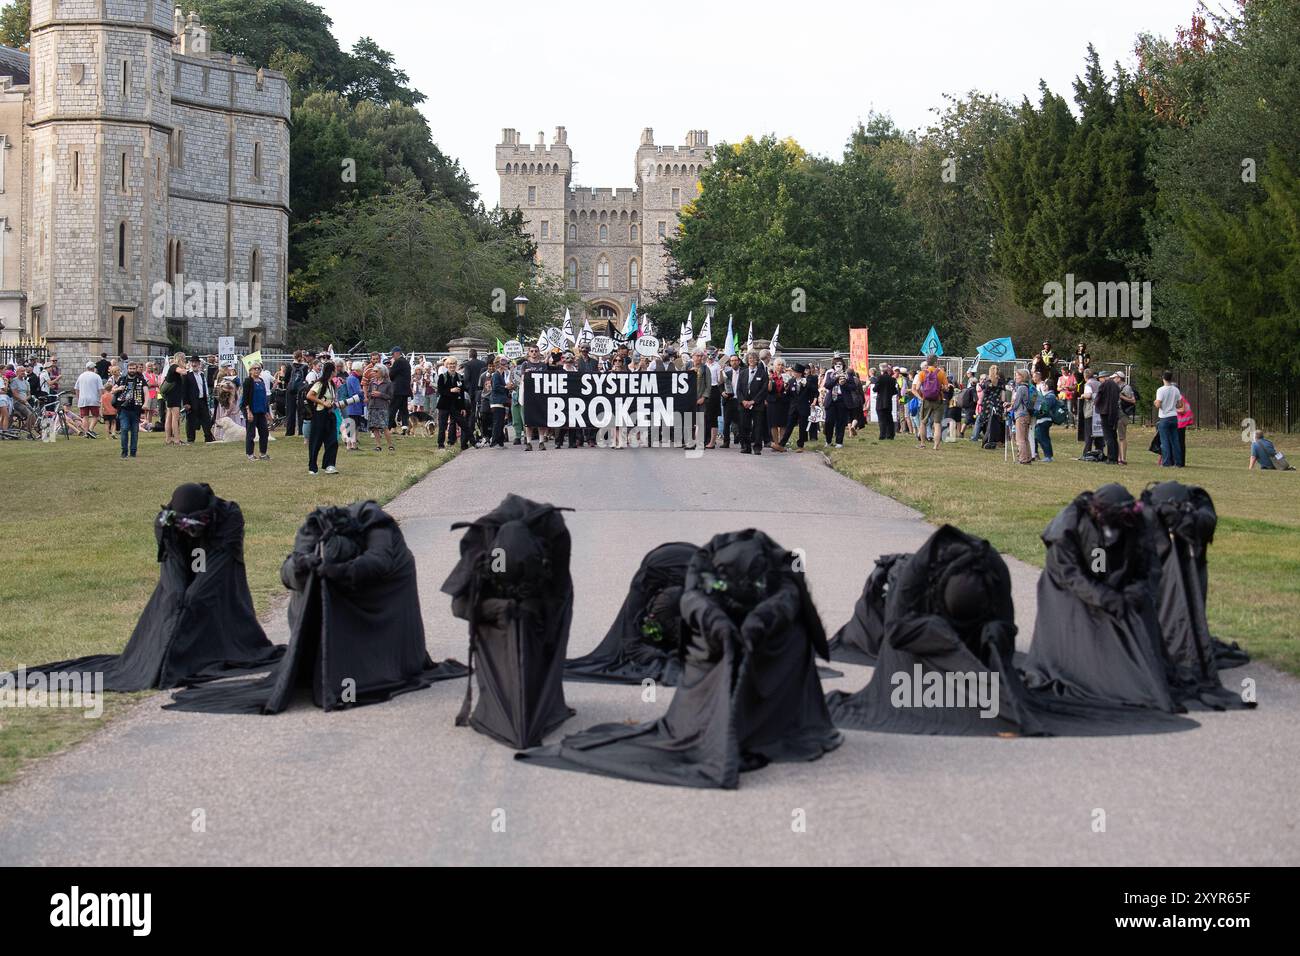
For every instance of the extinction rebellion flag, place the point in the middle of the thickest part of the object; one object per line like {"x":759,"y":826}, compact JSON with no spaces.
{"x":607,"y":399}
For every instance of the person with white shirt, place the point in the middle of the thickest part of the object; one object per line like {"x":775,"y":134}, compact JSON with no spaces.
{"x":89,"y":389}
{"x":1167,"y":403}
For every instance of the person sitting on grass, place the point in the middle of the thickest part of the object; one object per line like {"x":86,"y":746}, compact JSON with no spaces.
{"x":1268,"y":457}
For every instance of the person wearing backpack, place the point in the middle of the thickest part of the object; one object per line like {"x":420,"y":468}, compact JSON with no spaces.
{"x":930,"y":385}
{"x":1045,"y":416}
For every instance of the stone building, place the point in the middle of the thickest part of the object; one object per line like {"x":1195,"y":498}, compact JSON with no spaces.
{"x":607,"y":244}
{"x":152,"y":198}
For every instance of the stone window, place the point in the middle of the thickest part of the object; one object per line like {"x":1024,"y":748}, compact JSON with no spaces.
{"x":255,"y":266}
{"x":602,"y":273}
{"x":571,"y":274}
{"x":126,"y":167}
{"x":573,"y":232}
{"x":635,"y":232}
{"x":663,"y":229}
{"x":206,"y":77}
{"x":122,"y":238}
{"x":546,"y":228}
{"x":126,"y":78}
{"x":677,"y":197}
{"x":178,"y":148}
{"x":257,"y":162}
{"x":604,"y":233}
{"x":76,"y":170}
{"x":633,"y":275}
{"x":532,"y":195}
{"x":174,"y":264}
{"x":78,"y":73}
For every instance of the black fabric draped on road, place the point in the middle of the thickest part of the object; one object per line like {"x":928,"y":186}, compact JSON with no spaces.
{"x":749,"y":693}
{"x":512,"y":584}
{"x":1182,"y":521}
{"x":199,"y":622}
{"x":858,"y":641}
{"x":947,"y":662}
{"x":356,"y":635}
{"x":1101,"y":599}
{"x":642,"y":643}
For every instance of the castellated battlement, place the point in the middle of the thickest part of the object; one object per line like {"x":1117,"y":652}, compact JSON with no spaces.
{"x":584,"y":196}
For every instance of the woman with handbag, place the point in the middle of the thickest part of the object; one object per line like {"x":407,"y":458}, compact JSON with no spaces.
{"x":172,"y":392}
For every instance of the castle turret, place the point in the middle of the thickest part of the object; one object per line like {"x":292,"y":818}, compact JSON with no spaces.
{"x":535,"y":180}
{"x":668,"y":177}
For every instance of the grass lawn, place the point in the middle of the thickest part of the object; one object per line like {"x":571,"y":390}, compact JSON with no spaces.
{"x":81,"y":558}
{"x":1254,"y":561}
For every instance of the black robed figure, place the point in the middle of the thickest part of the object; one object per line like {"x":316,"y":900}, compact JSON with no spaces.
{"x":356,"y":634}
{"x":949,"y":626}
{"x":199,"y":623}
{"x":512,"y":584}
{"x":749,"y":693}
{"x":858,"y":641}
{"x":1182,"y":520}
{"x":642,"y":643}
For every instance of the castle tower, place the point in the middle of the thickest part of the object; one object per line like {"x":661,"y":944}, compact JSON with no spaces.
{"x":100,"y":123}
{"x":667,"y":177}
{"x":535,"y":179}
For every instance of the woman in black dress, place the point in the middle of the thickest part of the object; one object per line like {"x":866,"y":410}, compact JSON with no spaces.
{"x":174,"y":386}
{"x":778,"y":403}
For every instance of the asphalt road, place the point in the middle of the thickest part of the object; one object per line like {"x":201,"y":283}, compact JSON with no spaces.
{"x":399,"y":784}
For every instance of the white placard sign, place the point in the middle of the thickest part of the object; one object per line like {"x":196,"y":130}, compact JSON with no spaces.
{"x":512,"y":350}
{"x":226,"y":349}
{"x":555,"y":337}
{"x":602,"y":345}
{"x":647,"y":345}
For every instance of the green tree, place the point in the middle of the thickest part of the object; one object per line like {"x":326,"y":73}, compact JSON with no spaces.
{"x":16,"y":24}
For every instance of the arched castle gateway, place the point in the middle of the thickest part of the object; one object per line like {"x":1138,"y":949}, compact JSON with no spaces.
{"x":606,"y":244}
{"x":146,"y":157}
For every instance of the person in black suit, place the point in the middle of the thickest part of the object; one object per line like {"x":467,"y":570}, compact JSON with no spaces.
{"x":802,"y":390}
{"x":885,"y":388}
{"x":399,"y":373}
{"x":473,"y":372}
{"x":196,"y":402}
{"x":1106,"y":404}
{"x":751,"y":394}
{"x":451,"y":388}
{"x":730,"y":407}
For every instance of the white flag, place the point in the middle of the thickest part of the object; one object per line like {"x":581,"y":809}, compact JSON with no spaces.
{"x":706,"y":331}
{"x":749,"y":342}
{"x":587,"y":334}
{"x":774,"y":337}
{"x":567,"y":335}
{"x":688,"y":330}
{"x":541,"y":342}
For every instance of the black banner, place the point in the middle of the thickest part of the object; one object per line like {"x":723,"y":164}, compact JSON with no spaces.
{"x":607,"y":399}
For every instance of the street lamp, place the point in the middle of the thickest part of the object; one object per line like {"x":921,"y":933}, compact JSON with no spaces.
{"x":521,"y":309}
{"x":710,"y":304}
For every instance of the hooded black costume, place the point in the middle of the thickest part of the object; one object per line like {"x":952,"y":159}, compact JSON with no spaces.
{"x":512,"y":584}
{"x":642,"y":642}
{"x":1182,"y":521}
{"x":945,"y":664}
{"x":1096,"y":637}
{"x":858,"y":641}
{"x":199,"y":623}
{"x":356,"y":635}
{"x":749,"y":692}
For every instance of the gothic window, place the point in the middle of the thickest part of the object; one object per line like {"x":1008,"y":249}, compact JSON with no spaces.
{"x":677,"y":197}
{"x":604,"y":233}
{"x":532,"y":195}
{"x":76,"y":170}
{"x":546,"y":229}
{"x":633,"y":275}
{"x":126,"y":78}
{"x":121,"y":245}
{"x":634,"y":216}
{"x":602,"y":273}
{"x":125,"y":169}
{"x":571,"y":274}
{"x":573,"y":232}
{"x":634,"y":232}
{"x":255,"y":266}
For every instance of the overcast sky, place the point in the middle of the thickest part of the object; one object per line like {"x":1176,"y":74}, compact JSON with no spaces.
{"x":809,"y":69}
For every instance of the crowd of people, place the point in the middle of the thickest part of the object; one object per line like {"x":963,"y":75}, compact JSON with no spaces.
{"x":754,"y":402}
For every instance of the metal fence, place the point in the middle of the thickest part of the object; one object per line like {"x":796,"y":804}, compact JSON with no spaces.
{"x":1225,"y":398}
